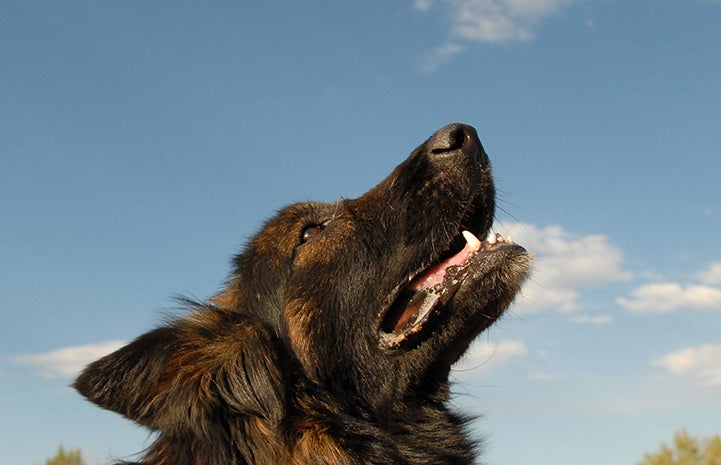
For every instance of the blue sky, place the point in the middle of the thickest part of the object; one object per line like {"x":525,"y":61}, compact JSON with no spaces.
{"x":143,"y":142}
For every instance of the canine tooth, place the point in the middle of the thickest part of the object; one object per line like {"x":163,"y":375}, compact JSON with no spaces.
{"x":473,"y":243}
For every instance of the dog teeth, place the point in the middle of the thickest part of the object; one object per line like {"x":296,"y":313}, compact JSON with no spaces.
{"x":473,"y":243}
{"x":496,"y":238}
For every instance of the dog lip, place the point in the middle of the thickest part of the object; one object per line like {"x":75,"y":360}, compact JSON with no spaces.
{"x":436,"y":273}
{"x":418,"y":304}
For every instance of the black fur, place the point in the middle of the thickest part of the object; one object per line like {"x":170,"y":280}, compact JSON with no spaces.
{"x":319,"y":351}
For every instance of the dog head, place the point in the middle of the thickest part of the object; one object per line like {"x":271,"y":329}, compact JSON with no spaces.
{"x":366,"y":303}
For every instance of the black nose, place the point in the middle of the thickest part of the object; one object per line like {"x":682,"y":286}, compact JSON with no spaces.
{"x":458,"y":137}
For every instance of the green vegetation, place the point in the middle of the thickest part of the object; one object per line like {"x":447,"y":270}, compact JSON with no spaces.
{"x":686,"y":450}
{"x":63,"y":457}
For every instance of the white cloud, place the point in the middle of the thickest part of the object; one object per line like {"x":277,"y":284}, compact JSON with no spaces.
{"x":483,"y":355}
{"x":596,"y":320}
{"x":565,"y":264}
{"x":440,"y":55}
{"x":423,"y":5}
{"x":702,"y":363}
{"x":495,"y":21}
{"x":68,"y":361}
{"x":668,"y":296}
{"x":712,"y":275}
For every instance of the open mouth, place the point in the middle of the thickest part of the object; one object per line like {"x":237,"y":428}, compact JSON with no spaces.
{"x":415,"y":311}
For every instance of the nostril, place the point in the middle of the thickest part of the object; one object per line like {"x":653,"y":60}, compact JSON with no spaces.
{"x":448,"y":139}
{"x":457,"y":139}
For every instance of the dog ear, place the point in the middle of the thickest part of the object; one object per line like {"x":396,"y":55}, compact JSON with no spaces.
{"x":176,"y":377}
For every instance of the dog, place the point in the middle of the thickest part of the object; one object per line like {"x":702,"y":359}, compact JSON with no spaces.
{"x":333,"y":340}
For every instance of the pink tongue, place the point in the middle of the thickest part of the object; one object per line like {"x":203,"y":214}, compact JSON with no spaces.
{"x":436,"y":273}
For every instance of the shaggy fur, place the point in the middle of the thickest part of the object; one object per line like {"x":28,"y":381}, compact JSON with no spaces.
{"x":333,"y":341}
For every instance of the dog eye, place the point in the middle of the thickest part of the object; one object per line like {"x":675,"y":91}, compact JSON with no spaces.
{"x":310,"y":231}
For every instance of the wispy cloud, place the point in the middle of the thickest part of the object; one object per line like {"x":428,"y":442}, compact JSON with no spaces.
{"x":66,"y":362}
{"x":483,"y":355}
{"x":595,"y":320}
{"x":431,"y":61}
{"x":711,"y":275}
{"x":665,"y":297}
{"x":488,"y":21}
{"x":566,"y":263}
{"x":702,"y":363}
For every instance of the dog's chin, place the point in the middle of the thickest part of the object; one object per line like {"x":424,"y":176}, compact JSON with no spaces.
{"x":428,"y":304}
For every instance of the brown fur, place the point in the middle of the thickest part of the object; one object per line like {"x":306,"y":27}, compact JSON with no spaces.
{"x":323,"y":349}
